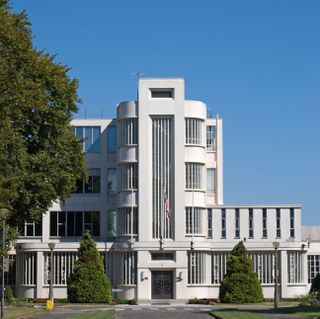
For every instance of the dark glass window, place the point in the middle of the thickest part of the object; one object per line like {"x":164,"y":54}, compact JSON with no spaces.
{"x":162,"y":256}
{"x":250,"y":223}
{"x":278,"y":222}
{"x":53,"y":223}
{"x":223,"y":223}
{"x":162,"y":93}
{"x":112,"y":139}
{"x":264,"y":223}
{"x":209,"y":223}
{"x":292,"y":232}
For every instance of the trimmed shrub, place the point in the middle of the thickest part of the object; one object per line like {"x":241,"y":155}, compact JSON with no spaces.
{"x":241,"y":283}
{"x":8,"y":294}
{"x":88,"y":282}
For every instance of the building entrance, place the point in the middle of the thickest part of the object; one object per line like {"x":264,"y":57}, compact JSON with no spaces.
{"x":162,"y":284}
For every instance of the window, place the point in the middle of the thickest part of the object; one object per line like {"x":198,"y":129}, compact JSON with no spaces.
{"x":111,"y":139}
{"x":237,"y":223}
{"x":264,"y":223}
{"x":74,"y":224}
{"x":128,"y":131}
{"x":92,"y":185}
{"x":29,"y":268}
{"x":122,"y":267}
{"x":162,"y":93}
{"x":292,"y":235}
{"x":124,"y":224}
{"x":263,"y":266}
{"x":313,"y":267}
{"x":64,"y":264}
{"x":90,"y":136}
{"x":193,"y":220}
{"x":112,"y":225}
{"x":196,"y":270}
{"x":194,"y":175}
{"x":295,"y":267}
{"x":112,"y":180}
{"x":162,"y":256}
{"x":211,"y":181}
{"x":30,"y":229}
{"x":209,"y":223}
{"x":193,"y":131}
{"x":218,"y":266}
{"x":128,"y":176}
{"x":223,"y":223}
{"x":211,"y":138}
{"x":250,"y":222}
{"x":278,"y":222}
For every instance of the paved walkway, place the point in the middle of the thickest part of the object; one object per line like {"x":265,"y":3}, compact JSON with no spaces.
{"x":161,"y":311}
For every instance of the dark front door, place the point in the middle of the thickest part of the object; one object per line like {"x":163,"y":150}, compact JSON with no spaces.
{"x":162,"y":285}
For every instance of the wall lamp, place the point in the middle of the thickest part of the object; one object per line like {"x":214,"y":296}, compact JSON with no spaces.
{"x":142,"y":276}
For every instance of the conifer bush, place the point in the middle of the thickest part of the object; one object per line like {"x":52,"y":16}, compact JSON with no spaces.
{"x":88,"y":282}
{"x":241,"y":283}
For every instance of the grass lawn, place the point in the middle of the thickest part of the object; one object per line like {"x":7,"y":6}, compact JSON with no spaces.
{"x":303,"y":311}
{"x":236,"y":314}
{"x":98,"y":314}
{"x":22,"y":312}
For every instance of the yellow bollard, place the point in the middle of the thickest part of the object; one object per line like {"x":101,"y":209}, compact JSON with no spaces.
{"x":50,"y":305}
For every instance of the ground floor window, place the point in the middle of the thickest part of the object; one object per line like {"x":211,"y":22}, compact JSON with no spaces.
{"x":28,"y":268}
{"x":313,"y":267}
{"x":196,"y":267}
{"x":63,"y":263}
{"x":218,"y":266}
{"x":122,"y":267}
{"x":295,"y":267}
{"x":263,"y":266}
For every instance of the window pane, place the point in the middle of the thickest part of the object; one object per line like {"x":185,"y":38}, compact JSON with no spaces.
{"x":78,"y":226}
{"x":112,"y":224}
{"x":53,"y":223}
{"x":88,"y":138}
{"x":38,"y":226}
{"x":210,"y":181}
{"x":70,"y":220}
{"x":96,"y":224}
{"x":112,"y":138}
{"x":95,"y":146}
{"x":112,"y":180}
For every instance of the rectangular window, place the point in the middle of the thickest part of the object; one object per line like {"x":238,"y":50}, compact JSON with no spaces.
{"x":90,"y":136}
{"x":128,"y":131}
{"x":162,"y":256}
{"x":237,"y":223}
{"x":112,"y":180}
{"x":250,"y":222}
{"x":209,"y":223}
{"x":292,"y":233}
{"x":211,"y":138}
{"x":263,"y":266}
{"x":128,"y":176}
{"x":313,"y":267}
{"x":278,"y":222}
{"x":112,"y":139}
{"x":162,"y":93}
{"x":196,"y":268}
{"x":223,"y":223}
{"x":74,"y":224}
{"x":218,"y":266}
{"x":112,"y":225}
{"x":193,"y":220}
{"x":30,"y":229}
{"x":264,"y":223}
{"x":295,"y":267}
{"x":193,"y":131}
{"x":92,"y":185}
{"x":194,"y":175}
{"x":126,"y":224}
{"x":211,"y":181}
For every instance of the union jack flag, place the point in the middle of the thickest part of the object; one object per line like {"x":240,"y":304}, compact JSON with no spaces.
{"x":166,"y":205}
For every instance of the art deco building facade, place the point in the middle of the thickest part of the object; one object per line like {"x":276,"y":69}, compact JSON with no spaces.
{"x":154,"y":204}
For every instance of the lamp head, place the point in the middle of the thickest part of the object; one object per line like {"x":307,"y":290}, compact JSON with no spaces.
{"x":275,"y":245}
{"x":51,"y":246}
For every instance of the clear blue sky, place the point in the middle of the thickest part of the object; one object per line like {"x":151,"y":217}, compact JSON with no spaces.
{"x":255,"y":63}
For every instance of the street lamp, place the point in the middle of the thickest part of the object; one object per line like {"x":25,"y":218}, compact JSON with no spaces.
{"x":276,"y":245}
{"x":51,"y":247}
{"x":4,"y":212}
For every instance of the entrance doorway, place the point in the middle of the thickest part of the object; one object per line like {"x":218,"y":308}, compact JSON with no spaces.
{"x":162,"y":284}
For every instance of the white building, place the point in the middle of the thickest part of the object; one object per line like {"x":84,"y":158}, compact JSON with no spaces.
{"x":154,"y":205}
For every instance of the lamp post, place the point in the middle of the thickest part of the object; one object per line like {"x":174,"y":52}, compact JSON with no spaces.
{"x":3,"y":215}
{"x":51,"y":247}
{"x":276,"y":245}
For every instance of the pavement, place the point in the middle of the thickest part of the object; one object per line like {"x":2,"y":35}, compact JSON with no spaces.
{"x":161,"y":311}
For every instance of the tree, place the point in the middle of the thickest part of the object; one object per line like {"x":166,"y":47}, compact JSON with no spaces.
{"x":241,"y":283}
{"x":40,"y":157}
{"x":88,"y":282}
